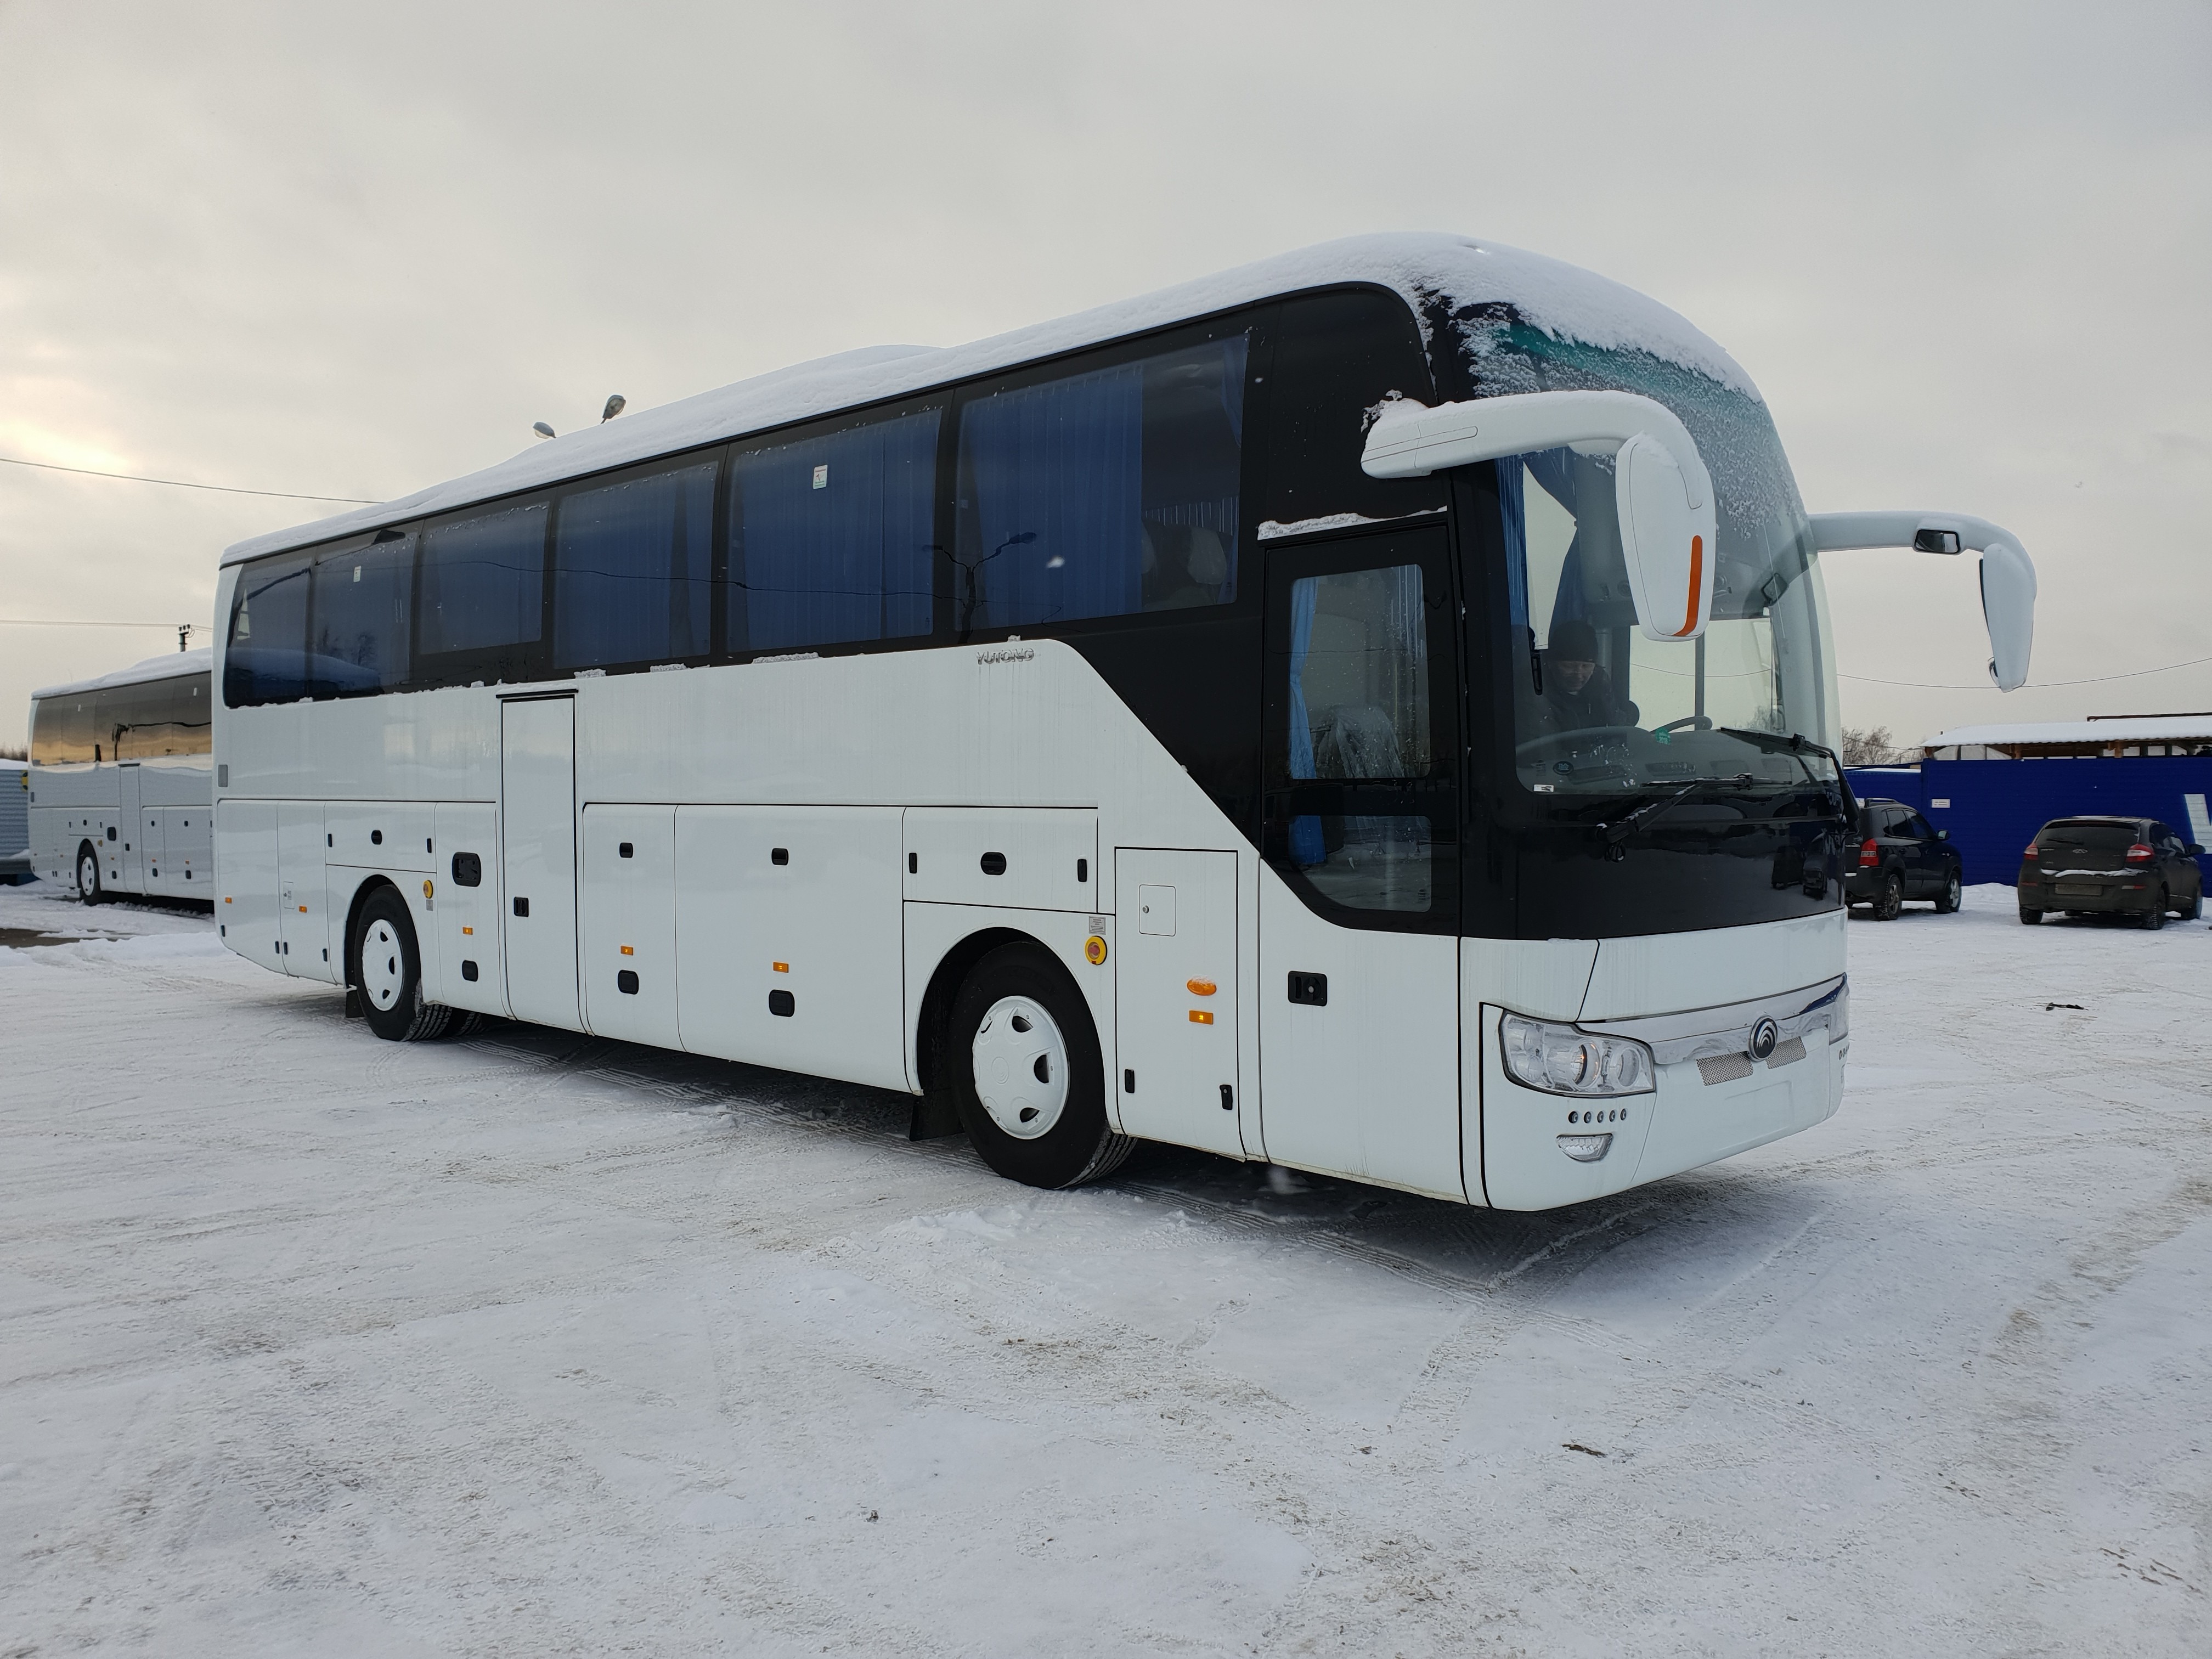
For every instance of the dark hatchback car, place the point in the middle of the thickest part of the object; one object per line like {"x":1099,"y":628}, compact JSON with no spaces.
{"x":2100,"y":866}
{"x":1900,"y":857}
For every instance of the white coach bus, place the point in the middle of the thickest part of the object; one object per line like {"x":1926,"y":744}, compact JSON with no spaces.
{"x":120,"y":800}
{"x":1370,"y":711}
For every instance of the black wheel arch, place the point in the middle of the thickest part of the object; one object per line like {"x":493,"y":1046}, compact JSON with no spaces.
{"x":362,"y":895}
{"x":944,"y":982}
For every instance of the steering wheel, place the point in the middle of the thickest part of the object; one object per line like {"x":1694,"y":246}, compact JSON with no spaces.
{"x":1698,"y":721}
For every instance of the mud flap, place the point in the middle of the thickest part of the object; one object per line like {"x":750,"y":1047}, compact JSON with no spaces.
{"x":935,"y":1116}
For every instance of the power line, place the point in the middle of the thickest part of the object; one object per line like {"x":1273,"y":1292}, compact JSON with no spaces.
{"x":2040,"y":685}
{"x":179,"y":483}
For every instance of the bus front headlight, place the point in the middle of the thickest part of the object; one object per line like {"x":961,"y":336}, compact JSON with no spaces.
{"x":1562,"y":1061}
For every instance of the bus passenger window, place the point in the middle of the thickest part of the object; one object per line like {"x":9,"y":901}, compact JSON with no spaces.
{"x":483,"y":588}
{"x":266,"y":656}
{"x":1103,"y":494}
{"x":833,"y":537}
{"x":61,"y":731}
{"x":633,"y":570}
{"x":362,"y":600}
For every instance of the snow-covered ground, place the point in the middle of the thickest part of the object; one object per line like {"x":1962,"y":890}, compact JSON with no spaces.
{"x":535,"y":1345}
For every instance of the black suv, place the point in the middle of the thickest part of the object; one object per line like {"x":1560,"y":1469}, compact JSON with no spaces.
{"x":1900,"y":857}
{"x":2135,"y":867}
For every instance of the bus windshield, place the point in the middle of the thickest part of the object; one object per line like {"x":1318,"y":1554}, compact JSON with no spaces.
{"x":1599,"y":708}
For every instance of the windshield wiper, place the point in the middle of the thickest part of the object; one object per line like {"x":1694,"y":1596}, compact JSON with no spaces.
{"x":1619,"y":831}
{"x":1796,"y":745}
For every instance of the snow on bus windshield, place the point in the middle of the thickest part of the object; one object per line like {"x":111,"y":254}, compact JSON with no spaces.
{"x":1598,"y":707}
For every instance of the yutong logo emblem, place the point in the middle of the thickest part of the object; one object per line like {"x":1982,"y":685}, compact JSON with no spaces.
{"x":1764,"y":1036}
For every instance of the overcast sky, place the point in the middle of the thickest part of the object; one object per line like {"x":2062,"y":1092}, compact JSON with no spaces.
{"x":1965,"y":250}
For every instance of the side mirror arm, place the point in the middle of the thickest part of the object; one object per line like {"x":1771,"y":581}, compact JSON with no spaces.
{"x":2007,"y":575}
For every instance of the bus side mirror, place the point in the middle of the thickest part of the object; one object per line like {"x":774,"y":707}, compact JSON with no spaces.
{"x":2007,"y":575}
{"x":1661,"y":489}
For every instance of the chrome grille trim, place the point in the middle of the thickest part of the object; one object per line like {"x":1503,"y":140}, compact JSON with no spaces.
{"x":1709,"y":1033}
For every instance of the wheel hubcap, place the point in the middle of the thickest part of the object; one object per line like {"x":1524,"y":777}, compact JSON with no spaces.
{"x":88,"y":874}
{"x":1021,"y":1067}
{"x":383,"y":971}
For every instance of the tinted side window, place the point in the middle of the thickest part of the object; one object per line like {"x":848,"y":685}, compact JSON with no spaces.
{"x":833,"y":537}
{"x":1337,"y":356}
{"x":482,"y":590}
{"x":158,"y":719}
{"x":363,"y":600}
{"x":61,"y":731}
{"x":633,"y":570}
{"x":1916,"y":827}
{"x":1103,"y":494}
{"x":265,"y":657}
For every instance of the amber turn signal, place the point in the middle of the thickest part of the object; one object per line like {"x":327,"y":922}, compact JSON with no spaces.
{"x":1200,"y":988}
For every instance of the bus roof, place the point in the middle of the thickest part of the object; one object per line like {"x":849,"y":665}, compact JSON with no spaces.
{"x":1562,"y":300}
{"x":175,"y":666}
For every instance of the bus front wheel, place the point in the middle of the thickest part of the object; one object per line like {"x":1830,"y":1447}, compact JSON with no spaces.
{"x":386,"y":969}
{"x":1026,"y":1073}
{"x":87,"y":875}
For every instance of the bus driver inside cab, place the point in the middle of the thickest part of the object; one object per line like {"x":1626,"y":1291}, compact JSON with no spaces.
{"x":1576,"y":694}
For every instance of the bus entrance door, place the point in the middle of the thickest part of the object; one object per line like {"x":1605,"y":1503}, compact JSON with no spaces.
{"x":1174,"y":995}
{"x":537,"y":846}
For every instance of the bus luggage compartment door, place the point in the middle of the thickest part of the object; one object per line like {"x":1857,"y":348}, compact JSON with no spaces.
{"x":246,"y":880}
{"x":302,"y":905}
{"x":538,"y":846}
{"x":789,"y":933}
{"x":627,"y":951}
{"x":1175,"y":994}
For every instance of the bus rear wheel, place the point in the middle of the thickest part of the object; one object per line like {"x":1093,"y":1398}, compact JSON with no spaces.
{"x":1026,"y":1073}
{"x":387,"y":971}
{"x":87,"y":875}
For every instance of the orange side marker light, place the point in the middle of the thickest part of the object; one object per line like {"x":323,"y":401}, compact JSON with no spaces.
{"x":781,"y":967}
{"x":627,"y":952}
{"x":1200,"y":988}
{"x":1697,"y":581}
{"x":1201,"y":1017}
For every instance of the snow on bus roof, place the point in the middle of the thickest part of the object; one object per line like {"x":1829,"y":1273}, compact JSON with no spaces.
{"x":1562,"y":300}
{"x":174,"y":666}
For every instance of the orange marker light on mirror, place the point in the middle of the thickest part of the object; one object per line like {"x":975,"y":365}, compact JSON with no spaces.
{"x":1697,"y":579}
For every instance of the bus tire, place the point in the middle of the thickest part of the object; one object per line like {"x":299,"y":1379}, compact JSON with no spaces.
{"x":1039,"y":1116}
{"x":88,"y":874}
{"x":387,"y":970}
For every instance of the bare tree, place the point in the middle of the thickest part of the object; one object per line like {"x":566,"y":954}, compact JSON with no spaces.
{"x":1875,"y":747}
